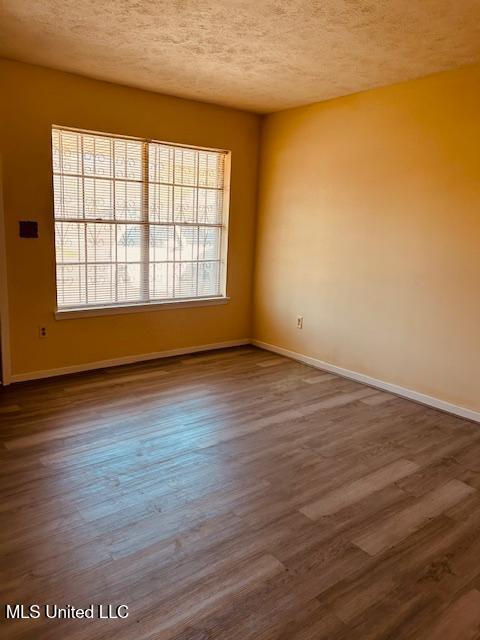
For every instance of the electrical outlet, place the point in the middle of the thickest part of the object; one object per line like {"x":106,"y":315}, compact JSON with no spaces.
{"x":42,"y":332}
{"x":299,"y":322}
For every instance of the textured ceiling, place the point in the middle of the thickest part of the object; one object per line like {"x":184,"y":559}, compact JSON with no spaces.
{"x":259,"y":55}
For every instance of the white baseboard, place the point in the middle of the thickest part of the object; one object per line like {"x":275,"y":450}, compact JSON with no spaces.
{"x":114,"y":362}
{"x":410,"y":394}
{"x":462,"y":412}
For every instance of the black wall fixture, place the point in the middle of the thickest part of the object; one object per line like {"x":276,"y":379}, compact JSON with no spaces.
{"x":28,"y":229}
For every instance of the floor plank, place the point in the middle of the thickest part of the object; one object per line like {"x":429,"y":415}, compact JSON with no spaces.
{"x":386,"y":534}
{"x":358,"y":489}
{"x":460,"y":621}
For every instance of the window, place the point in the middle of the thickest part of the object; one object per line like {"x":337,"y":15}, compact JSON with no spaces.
{"x":137,"y":221}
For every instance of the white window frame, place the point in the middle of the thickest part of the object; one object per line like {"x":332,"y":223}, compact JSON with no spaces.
{"x":149,"y":305}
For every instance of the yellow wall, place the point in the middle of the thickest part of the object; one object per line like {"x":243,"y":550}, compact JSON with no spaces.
{"x":369,"y":225}
{"x":34,"y":98}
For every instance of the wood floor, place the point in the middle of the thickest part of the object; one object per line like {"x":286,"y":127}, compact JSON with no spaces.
{"x":237,"y":495}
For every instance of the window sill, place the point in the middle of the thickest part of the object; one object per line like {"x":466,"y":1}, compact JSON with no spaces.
{"x":91,"y":312}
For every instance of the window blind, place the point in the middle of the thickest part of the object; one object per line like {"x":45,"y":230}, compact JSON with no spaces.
{"x":137,"y":221}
